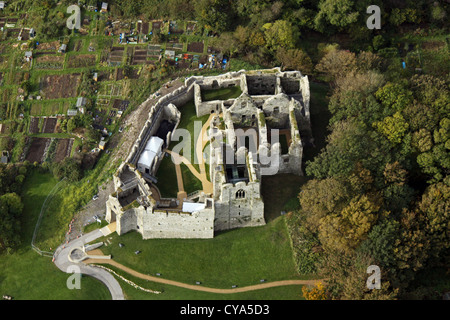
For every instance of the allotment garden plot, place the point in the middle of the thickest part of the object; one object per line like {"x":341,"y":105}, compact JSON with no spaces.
{"x":60,"y":86}
{"x":48,"y":149}
{"x":81,"y":61}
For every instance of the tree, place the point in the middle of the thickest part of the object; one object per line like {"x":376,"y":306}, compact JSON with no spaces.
{"x":336,"y":13}
{"x":394,"y":173}
{"x":294,"y":59}
{"x":280,"y":34}
{"x":432,"y":92}
{"x":394,"y":96}
{"x":349,"y":143}
{"x":71,"y":125}
{"x":380,"y":242}
{"x":318,"y":292}
{"x":368,"y":61}
{"x":227,"y":43}
{"x":344,"y":231}
{"x":436,"y":161}
{"x":397,"y":16}
{"x":393,"y":128}
{"x":92,"y":135}
{"x":10,"y":211}
{"x":411,"y":248}
{"x":214,"y":15}
{"x":346,"y":275}
{"x":435,"y":205}
{"x":421,"y":116}
{"x":68,"y":168}
{"x":320,"y":198}
{"x":337,"y":63}
{"x":422,"y":140}
{"x":437,"y":12}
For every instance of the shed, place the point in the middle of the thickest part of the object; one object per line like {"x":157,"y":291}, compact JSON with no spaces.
{"x":28,"y":55}
{"x":102,"y":145}
{"x":152,"y":151}
{"x":63,"y":48}
{"x":170,"y":54}
{"x":2,"y":5}
{"x":81,"y":102}
{"x":72,"y":112}
{"x":104,"y":7}
{"x":5,"y":157}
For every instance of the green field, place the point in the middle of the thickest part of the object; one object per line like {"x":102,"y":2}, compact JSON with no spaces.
{"x":167,"y":178}
{"x":24,"y":274}
{"x":221,"y":94}
{"x":241,"y":256}
{"x":168,"y":292}
{"x":236,"y":257}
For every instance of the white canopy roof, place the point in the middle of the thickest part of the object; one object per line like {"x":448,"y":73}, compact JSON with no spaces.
{"x":154,"y":144}
{"x":192,"y":206}
{"x":152,"y":149}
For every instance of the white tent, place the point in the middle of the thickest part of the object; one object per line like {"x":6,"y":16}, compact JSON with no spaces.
{"x":192,"y":206}
{"x":152,"y":150}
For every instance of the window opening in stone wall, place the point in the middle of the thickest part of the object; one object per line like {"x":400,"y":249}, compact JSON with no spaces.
{"x":240,"y":194}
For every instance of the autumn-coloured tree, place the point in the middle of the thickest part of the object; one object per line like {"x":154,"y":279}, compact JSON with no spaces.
{"x":280,"y":34}
{"x":294,"y":59}
{"x":318,"y":292}
{"x":344,"y":231}
{"x":435,"y":205}
{"x":394,"y":173}
{"x":320,"y":198}
{"x":393,"y":128}
{"x":337,"y":63}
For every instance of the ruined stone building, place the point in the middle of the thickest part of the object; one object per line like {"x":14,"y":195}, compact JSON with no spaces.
{"x":261,"y":132}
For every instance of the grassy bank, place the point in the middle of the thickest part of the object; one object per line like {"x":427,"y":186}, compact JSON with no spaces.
{"x":237,"y":257}
{"x":168,"y":292}
{"x":24,"y":274}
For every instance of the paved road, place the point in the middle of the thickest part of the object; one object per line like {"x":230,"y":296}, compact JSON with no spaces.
{"x":63,"y":263}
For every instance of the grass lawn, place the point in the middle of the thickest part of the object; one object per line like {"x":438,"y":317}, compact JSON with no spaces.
{"x":320,"y":117}
{"x":221,"y":94}
{"x":236,"y":257}
{"x":190,"y":182}
{"x":187,"y":121}
{"x":168,"y":292}
{"x":24,"y":274}
{"x":280,"y":191}
{"x":167,"y":178}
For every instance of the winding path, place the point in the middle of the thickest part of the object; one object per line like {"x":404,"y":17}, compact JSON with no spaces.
{"x":87,"y":267}
{"x":62,"y":261}
{"x":137,"y":274}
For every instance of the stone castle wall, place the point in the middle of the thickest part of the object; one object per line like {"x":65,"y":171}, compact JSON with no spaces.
{"x":165,"y":224}
{"x":232,"y":211}
{"x":235,"y":205}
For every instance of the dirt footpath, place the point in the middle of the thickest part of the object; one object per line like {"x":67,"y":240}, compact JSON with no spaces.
{"x":134,"y":273}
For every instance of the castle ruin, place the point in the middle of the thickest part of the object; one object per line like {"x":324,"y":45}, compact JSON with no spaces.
{"x":261,"y":132}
